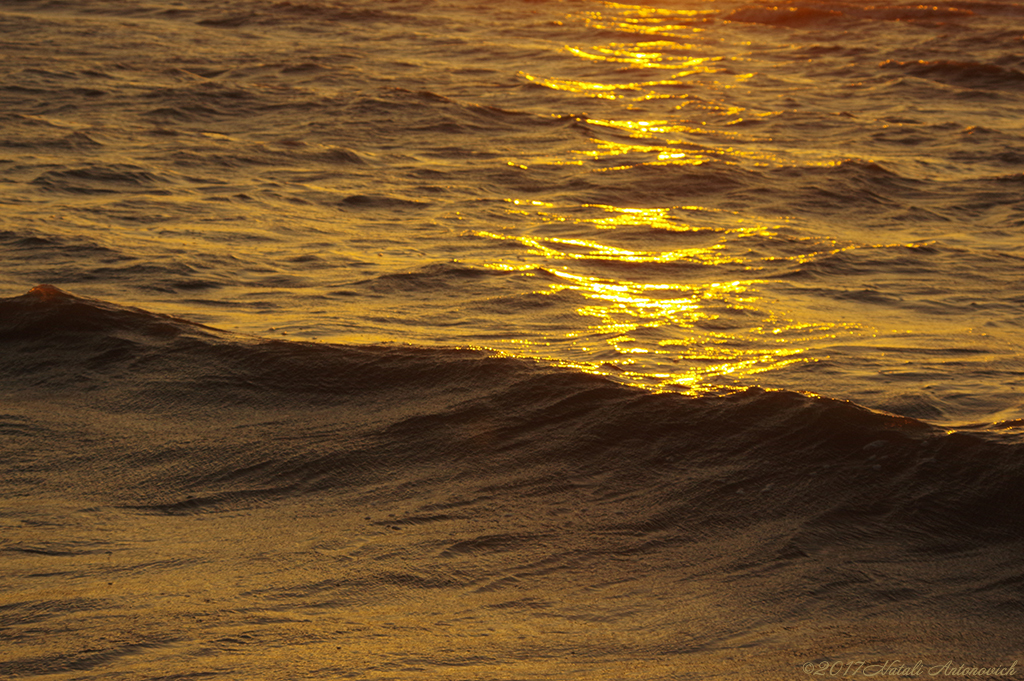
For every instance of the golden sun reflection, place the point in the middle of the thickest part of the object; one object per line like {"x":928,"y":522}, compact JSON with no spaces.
{"x":556,"y":248}
{"x":652,"y":330}
{"x":673,"y":296}
{"x":664,"y":335}
{"x":650,"y":59}
{"x":604,"y":90}
{"x":644,"y":20}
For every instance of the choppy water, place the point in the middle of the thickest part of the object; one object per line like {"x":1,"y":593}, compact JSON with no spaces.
{"x":514,"y":305}
{"x":179,"y":503}
{"x":819,"y":196}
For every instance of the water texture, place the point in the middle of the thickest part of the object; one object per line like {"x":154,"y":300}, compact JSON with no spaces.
{"x":818,"y":196}
{"x":525,"y":340}
{"x":179,"y":502}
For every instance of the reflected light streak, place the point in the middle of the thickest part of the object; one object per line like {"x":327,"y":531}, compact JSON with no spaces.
{"x":601,"y":90}
{"x":649,"y":327}
{"x":707,"y":324}
{"x":645,"y":20}
{"x":548,"y":247}
{"x":648,"y":60}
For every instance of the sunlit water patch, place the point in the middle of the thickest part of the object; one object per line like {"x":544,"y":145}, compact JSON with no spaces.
{"x":373,"y":319}
{"x":819,"y":196}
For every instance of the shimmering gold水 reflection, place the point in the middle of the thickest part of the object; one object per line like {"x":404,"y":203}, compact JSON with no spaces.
{"x":672,"y":293}
{"x":654,"y":315}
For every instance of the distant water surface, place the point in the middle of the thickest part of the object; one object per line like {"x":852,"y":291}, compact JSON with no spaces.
{"x":820,"y":196}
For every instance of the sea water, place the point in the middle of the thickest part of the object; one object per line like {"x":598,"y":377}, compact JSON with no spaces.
{"x":446,"y":339}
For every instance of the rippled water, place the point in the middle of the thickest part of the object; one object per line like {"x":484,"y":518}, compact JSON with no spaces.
{"x":441,"y":339}
{"x":820,"y":196}
{"x":177,"y":502}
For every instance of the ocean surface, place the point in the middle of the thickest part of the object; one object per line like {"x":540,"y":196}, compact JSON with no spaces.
{"x":444,"y":339}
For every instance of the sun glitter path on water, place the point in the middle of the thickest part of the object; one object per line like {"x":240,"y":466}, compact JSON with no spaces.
{"x":670,"y":296}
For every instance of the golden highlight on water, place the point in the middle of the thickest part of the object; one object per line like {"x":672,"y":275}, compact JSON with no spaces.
{"x":545,"y":339}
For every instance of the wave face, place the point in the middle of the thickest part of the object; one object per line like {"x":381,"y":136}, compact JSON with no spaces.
{"x":521,"y":340}
{"x":237,"y":506}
